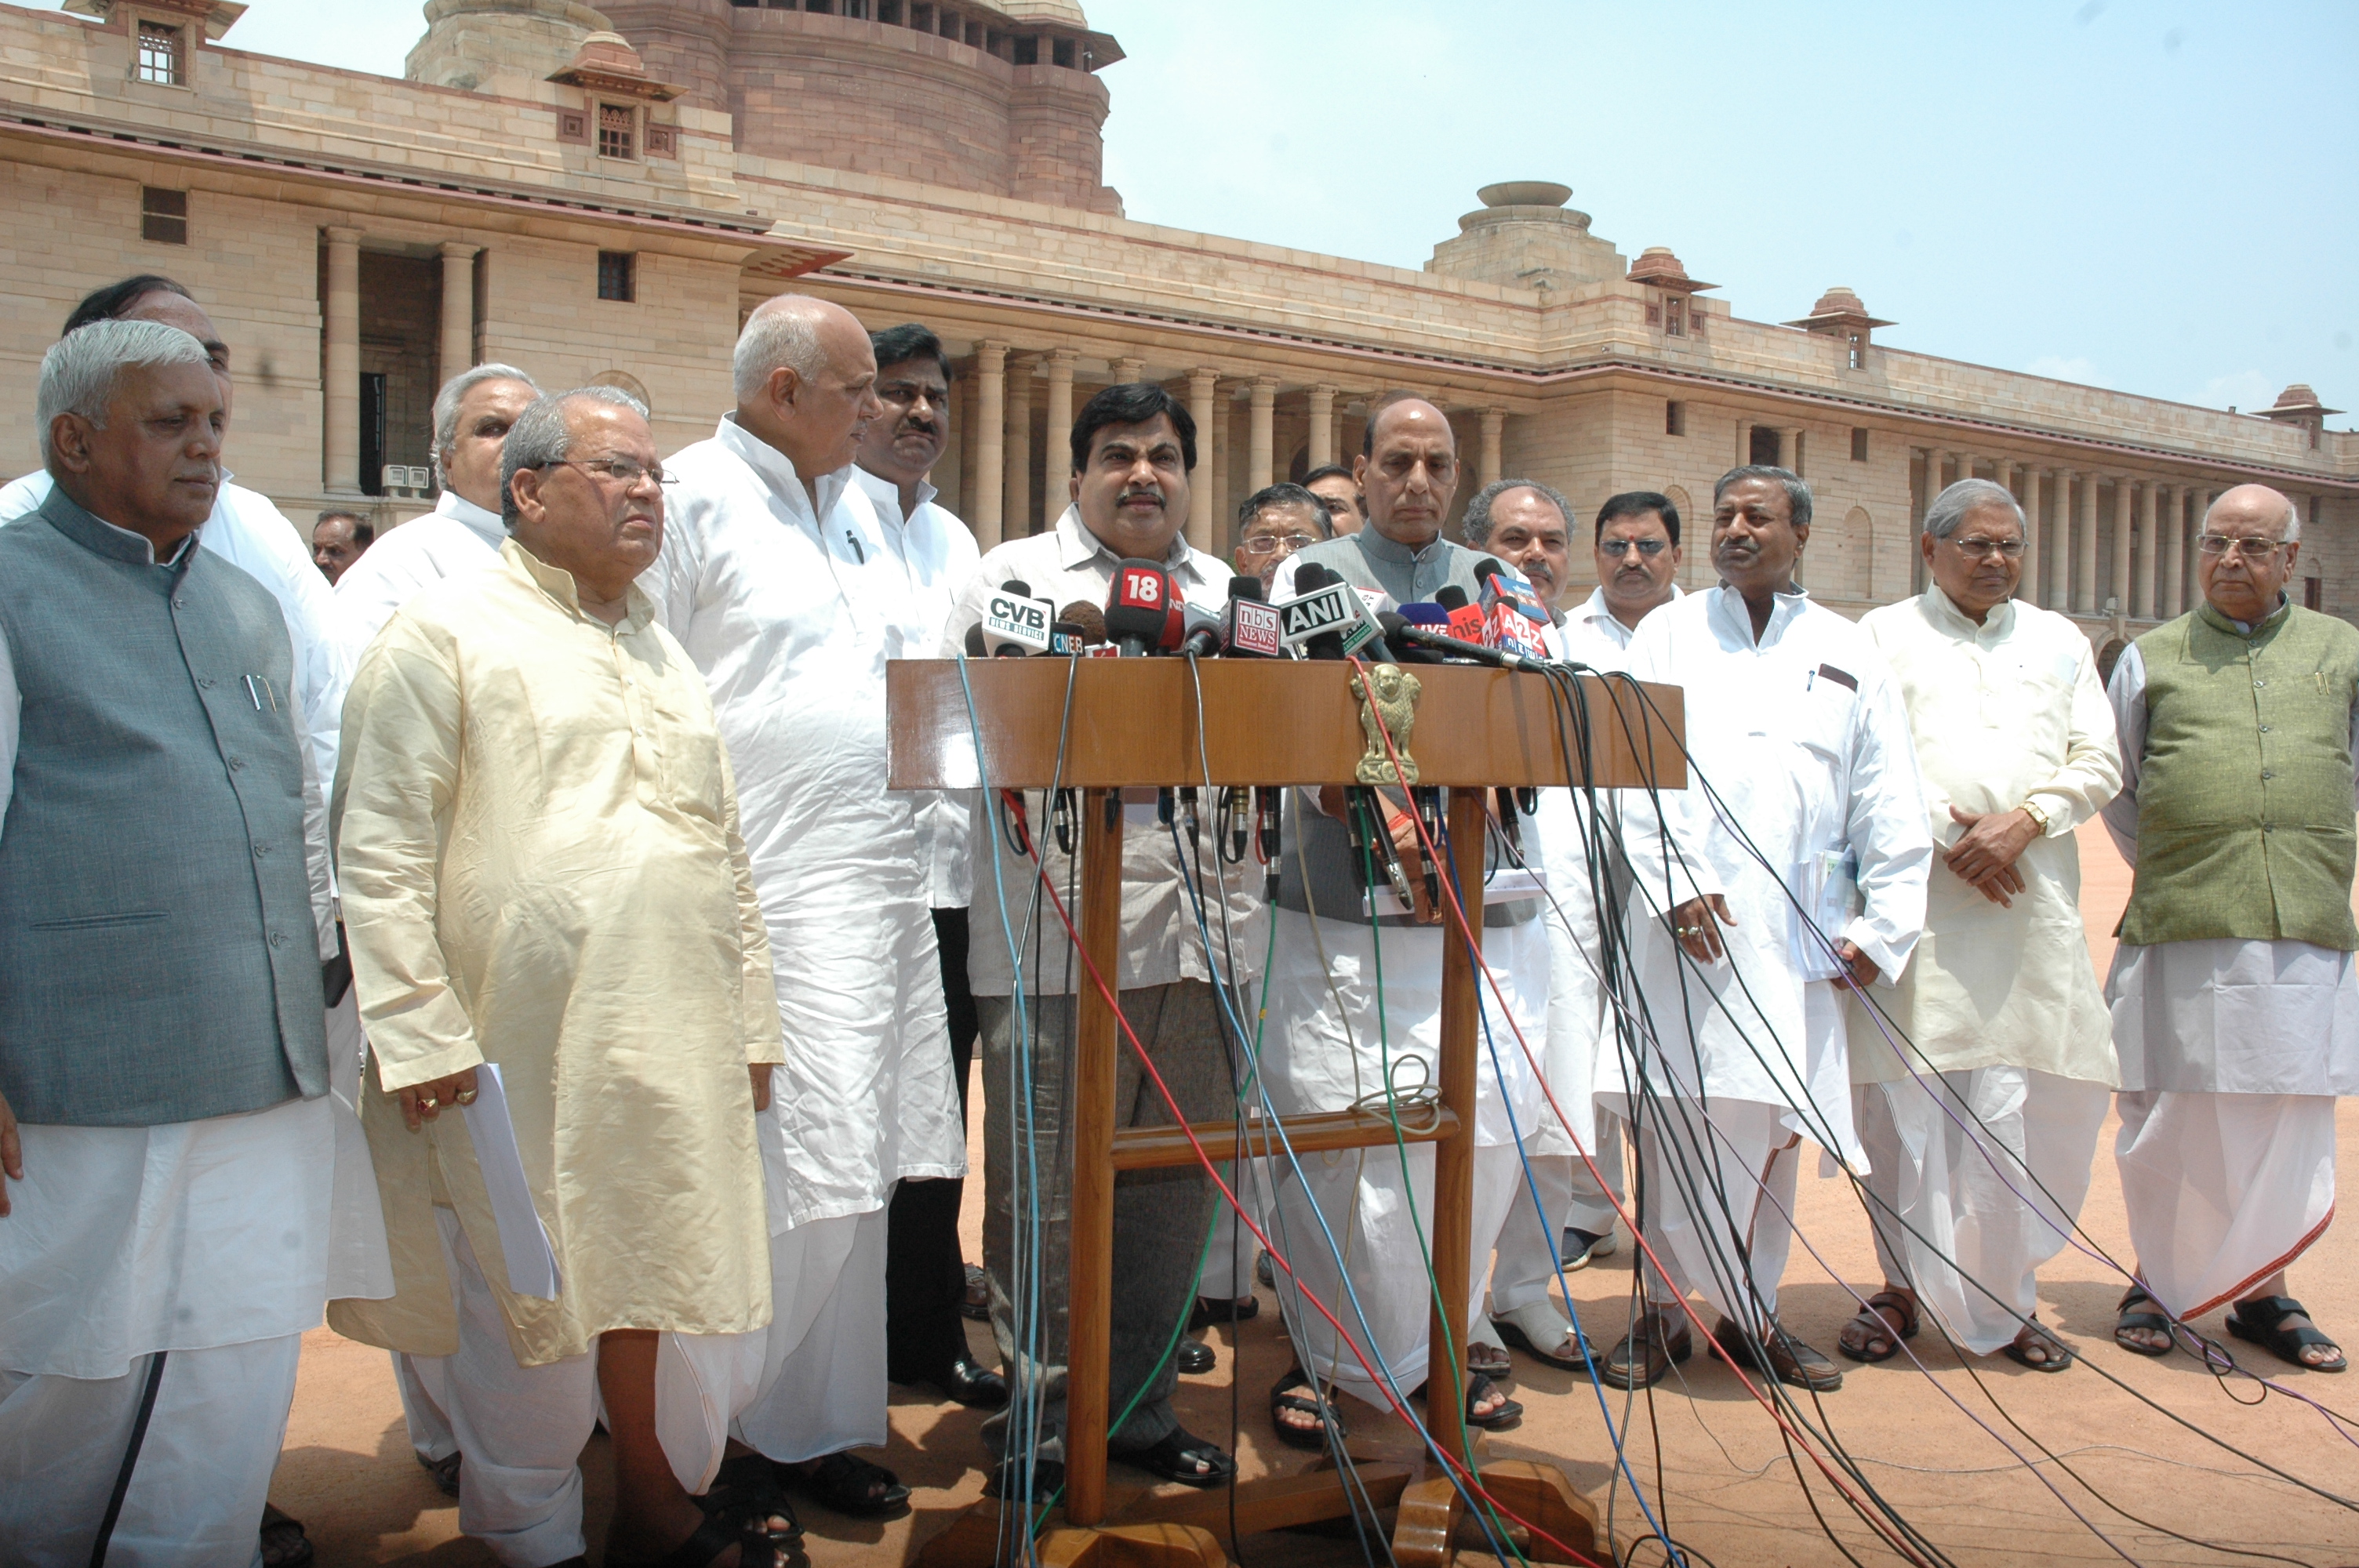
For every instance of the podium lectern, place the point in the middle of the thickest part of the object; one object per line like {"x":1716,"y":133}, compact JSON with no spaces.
{"x":1135,"y":723}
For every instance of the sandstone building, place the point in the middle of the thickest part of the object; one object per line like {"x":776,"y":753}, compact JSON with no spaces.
{"x":603,"y":193}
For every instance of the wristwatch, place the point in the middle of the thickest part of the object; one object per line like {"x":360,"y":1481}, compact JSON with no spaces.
{"x":2039,"y":818}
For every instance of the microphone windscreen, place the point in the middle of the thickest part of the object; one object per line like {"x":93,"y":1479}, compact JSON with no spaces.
{"x":1311,"y":575}
{"x":1423,"y":612}
{"x":1017,"y":586}
{"x":975,"y":642}
{"x":1487,"y":566}
{"x":1450,"y":596}
{"x":1246,"y":588}
{"x":1088,"y":617}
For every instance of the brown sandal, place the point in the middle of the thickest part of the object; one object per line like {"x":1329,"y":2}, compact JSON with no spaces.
{"x":1869,"y":1325}
{"x":1657,"y":1341}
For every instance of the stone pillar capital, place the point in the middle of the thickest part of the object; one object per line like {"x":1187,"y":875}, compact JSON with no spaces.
{"x":990,"y":355}
{"x":1060,"y":363}
{"x":457,"y":250}
{"x":340,"y":235}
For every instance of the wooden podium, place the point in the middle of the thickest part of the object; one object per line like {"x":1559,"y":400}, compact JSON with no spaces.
{"x":1134,"y":723}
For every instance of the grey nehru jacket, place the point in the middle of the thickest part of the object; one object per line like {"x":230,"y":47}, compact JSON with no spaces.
{"x":1368,"y":560}
{"x":158,"y":961}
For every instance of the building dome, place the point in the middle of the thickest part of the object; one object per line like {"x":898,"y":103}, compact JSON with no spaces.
{"x":1658,"y":266}
{"x":1064,"y":11}
{"x":467,"y":42}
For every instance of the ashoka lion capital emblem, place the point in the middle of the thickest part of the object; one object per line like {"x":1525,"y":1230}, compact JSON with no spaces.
{"x":1388,"y":707}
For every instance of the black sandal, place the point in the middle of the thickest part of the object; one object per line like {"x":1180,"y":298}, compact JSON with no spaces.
{"x":1006,"y":1479}
{"x":1210,"y":1310}
{"x":2141,"y":1320}
{"x":1310,"y":1440}
{"x":715,"y":1535}
{"x":1508,"y":1415}
{"x":1874,"y":1326}
{"x":285,"y":1532}
{"x":2265,"y":1328}
{"x":746,"y":1488}
{"x":1190,"y":1461}
{"x":444,"y":1471}
{"x":2059,"y":1356}
{"x":850,"y":1485}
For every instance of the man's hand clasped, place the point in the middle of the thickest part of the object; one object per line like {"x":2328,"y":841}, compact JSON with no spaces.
{"x":1985,"y":853}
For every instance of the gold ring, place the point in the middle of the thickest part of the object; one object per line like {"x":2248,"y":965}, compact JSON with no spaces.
{"x":429,"y":1103}
{"x":465,"y":1097}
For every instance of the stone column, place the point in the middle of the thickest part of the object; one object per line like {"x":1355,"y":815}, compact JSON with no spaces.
{"x":2117,"y":580}
{"x":1201,"y":384}
{"x":2029,"y":590}
{"x":1224,"y":431}
{"x":457,"y":347}
{"x":1491,"y":465}
{"x":1933,"y":486}
{"x":1323,"y":426}
{"x":990,"y":434}
{"x":2056,"y":569}
{"x":1128,"y":371}
{"x":1015,"y":511}
{"x":2173,"y":540}
{"x":340,"y":364}
{"x":1261,"y":458}
{"x":2084,"y":548}
{"x":1060,"y":431}
{"x":2142,"y":580}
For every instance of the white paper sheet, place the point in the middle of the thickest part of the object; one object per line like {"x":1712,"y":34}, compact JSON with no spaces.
{"x":524,"y":1242}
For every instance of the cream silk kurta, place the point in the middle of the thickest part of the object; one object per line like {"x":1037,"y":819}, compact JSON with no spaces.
{"x":2003,"y":712}
{"x":537,"y":834}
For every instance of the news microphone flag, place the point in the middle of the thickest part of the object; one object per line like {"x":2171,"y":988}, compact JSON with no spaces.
{"x":1014,"y":623}
{"x":1464,"y":617}
{"x":1139,"y":606}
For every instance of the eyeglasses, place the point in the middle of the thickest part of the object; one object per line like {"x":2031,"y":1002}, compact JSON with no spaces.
{"x":624,"y":472}
{"x":1983,"y":549}
{"x":1617,"y":548}
{"x":2251,"y":550}
{"x":1270,"y":544}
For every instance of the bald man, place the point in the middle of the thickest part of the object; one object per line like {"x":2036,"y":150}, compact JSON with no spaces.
{"x":2235,"y":1007}
{"x":788,"y":591}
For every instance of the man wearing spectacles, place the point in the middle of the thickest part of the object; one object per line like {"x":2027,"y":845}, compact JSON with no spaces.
{"x":1273,"y":523}
{"x":1979,"y":1106}
{"x":2235,"y":1009}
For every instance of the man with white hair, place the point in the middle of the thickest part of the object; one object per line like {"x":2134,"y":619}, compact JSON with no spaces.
{"x":1979,"y":1101}
{"x":163,"y":921}
{"x":2236,"y":1008}
{"x":777,"y":577}
{"x":463,"y":533}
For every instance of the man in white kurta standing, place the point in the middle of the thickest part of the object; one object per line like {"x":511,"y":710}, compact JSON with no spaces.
{"x":1979,"y":1089}
{"x":2236,"y":1008}
{"x":777,"y":577}
{"x":463,"y":533}
{"x":1799,"y":755}
{"x":163,"y":1222}
{"x":1636,"y":553}
{"x":925,"y":1271}
{"x":1326,"y":1047}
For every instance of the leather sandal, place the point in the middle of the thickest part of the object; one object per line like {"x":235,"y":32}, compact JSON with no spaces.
{"x":1526,"y":1327}
{"x":850,"y":1485}
{"x":1210,"y":1310}
{"x":1486,"y":1353}
{"x":2152,"y":1321}
{"x":714,"y":1535}
{"x":1781,"y":1356}
{"x":1869,"y":1325}
{"x":1310,"y":1439}
{"x":1181,"y":1458}
{"x":2260,"y":1322}
{"x":2056,"y":1355}
{"x":1655,"y":1343}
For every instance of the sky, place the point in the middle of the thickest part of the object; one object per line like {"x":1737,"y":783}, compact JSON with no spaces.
{"x":2156,"y":196}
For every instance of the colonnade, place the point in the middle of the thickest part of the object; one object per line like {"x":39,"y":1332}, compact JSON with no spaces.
{"x":341,"y":346}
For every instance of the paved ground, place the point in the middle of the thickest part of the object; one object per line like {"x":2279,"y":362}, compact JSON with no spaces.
{"x":1946,"y":1446}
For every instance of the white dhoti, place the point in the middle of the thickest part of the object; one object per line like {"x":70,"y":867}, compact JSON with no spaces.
{"x":208,"y":1241}
{"x":823,"y":1379}
{"x":2232,"y":1053}
{"x":1718,"y":1176}
{"x":1973,"y":1189}
{"x":1570,"y":1194}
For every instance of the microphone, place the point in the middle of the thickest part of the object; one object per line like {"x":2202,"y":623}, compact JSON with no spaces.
{"x":1414,"y":635}
{"x":1251,"y":626}
{"x":1512,"y":608}
{"x":1204,"y":631}
{"x":1327,"y":619}
{"x":1065,"y":637}
{"x":1087,"y":619}
{"x":1417,"y":612}
{"x":975,"y":649}
{"x":1138,"y":607}
{"x":1461,"y":614}
{"x":1014,"y":622}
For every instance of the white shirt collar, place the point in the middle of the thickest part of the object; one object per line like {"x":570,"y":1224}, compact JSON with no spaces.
{"x":778,"y":471}
{"x":1593,"y":611}
{"x":1729,"y":607}
{"x":888,"y":495}
{"x":1076,"y":545}
{"x":1943,"y":612}
{"x":459,"y":509}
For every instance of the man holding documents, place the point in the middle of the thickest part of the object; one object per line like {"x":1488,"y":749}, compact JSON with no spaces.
{"x":550,"y":905}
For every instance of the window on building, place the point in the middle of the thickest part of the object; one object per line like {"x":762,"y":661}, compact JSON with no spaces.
{"x":890,"y":12}
{"x":1675,"y":418}
{"x":1858,"y":444}
{"x":617,"y":276}
{"x":615,"y":131}
{"x":2314,"y":593}
{"x":163,"y":215}
{"x":1675,"y":317}
{"x":1063,"y":53}
{"x":159,"y":54}
{"x":1858,"y":344}
{"x":1763,"y":446}
{"x":1028,"y":50}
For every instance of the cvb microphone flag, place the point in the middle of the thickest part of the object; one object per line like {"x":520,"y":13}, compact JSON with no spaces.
{"x":1016,"y":623}
{"x":1138,"y":614}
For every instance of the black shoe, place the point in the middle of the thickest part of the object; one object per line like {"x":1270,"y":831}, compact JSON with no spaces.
{"x":1007,"y":1480}
{"x":1211,"y":1310}
{"x":975,"y":1305}
{"x":1195,"y":1357}
{"x":967,"y":1382}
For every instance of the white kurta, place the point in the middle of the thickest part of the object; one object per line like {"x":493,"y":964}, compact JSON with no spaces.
{"x":2232,"y":1055}
{"x":791,"y":613}
{"x":1799,"y":752}
{"x":456,"y":536}
{"x":939,"y":554}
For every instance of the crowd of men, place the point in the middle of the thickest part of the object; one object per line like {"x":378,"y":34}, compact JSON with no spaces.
{"x":514,"y":951}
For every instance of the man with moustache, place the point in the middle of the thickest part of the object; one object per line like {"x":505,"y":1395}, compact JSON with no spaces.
{"x":1527,"y":524}
{"x":1795,"y":723}
{"x":463,"y":533}
{"x":338,"y":539}
{"x":1274,"y":524}
{"x":780,"y":580}
{"x":925,"y":1274}
{"x":1980,"y":1110}
{"x":2236,"y":1008}
{"x":1134,"y":450}
{"x":1334,"y":485}
{"x":1326,"y":1044}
